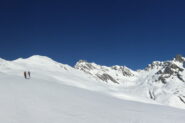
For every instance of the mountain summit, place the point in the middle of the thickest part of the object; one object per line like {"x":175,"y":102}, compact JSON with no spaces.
{"x":113,"y":74}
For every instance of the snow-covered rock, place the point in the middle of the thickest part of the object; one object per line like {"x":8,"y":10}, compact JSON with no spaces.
{"x":114,"y":74}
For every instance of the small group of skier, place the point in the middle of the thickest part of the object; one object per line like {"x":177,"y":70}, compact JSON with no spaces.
{"x":27,"y":75}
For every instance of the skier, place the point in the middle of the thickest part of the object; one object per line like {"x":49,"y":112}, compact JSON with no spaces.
{"x":25,"y":75}
{"x":29,"y":74}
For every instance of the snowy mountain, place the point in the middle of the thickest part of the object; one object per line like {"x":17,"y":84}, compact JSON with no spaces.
{"x":159,"y":83}
{"x":163,"y":82}
{"x":89,"y":93}
{"x":113,"y":74}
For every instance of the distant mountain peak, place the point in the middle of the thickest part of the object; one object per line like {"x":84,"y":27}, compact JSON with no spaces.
{"x":39,"y":57}
{"x":36,"y":59}
{"x":179,"y":58}
{"x":82,"y":61}
{"x":104,"y":73}
{"x":84,"y":65}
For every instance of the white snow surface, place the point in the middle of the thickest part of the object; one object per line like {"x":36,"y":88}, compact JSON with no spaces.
{"x":58,"y":93}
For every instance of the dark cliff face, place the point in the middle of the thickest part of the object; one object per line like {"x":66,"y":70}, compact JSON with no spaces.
{"x":171,"y":69}
{"x":106,"y":78}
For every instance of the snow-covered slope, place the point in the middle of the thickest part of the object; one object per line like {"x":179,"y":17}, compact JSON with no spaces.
{"x":48,"y":97}
{"x":159,"y":83}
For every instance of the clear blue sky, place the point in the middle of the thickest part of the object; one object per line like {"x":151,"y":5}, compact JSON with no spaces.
{"x":108,"y":32}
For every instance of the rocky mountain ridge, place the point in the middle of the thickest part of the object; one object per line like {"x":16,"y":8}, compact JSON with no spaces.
{"x":161,"y":81}
{"x":115,"y":73}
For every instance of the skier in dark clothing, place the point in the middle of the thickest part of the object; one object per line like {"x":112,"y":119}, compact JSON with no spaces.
{"x":29,"y":74}
{"x":25,"y":75}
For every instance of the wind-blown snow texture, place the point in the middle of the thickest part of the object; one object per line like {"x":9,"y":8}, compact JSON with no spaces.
{"x":90,"y":93}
